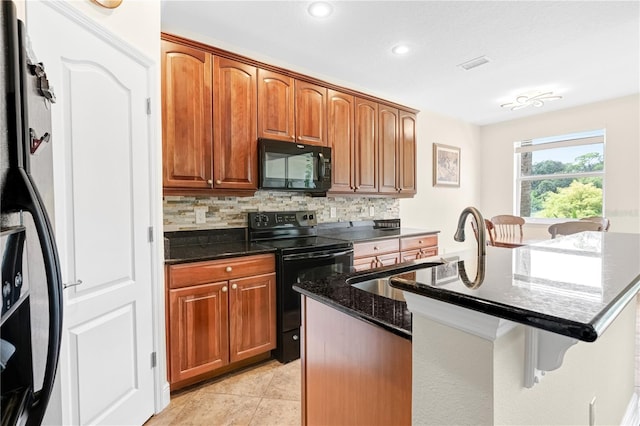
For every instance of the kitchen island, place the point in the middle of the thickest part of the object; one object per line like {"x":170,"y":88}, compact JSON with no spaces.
{"x":485,"y":331}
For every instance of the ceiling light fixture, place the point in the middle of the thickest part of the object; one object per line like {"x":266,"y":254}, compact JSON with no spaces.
{"x":534,"y":99}
{"x":400,"y":49}
{"x":320,"y":9}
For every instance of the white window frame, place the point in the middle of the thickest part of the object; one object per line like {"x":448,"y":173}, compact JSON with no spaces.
{"x":561,"y":141}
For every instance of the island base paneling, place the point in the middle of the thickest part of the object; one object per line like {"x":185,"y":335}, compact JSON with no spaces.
{"x":353,"y":373}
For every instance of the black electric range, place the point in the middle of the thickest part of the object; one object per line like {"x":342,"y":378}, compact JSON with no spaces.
{"x":301,"y":256}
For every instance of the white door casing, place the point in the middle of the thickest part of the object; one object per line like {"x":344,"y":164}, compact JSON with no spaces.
{"x":103,"y":213}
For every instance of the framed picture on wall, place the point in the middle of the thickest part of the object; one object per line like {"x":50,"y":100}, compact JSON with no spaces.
{"x":446,"y":165}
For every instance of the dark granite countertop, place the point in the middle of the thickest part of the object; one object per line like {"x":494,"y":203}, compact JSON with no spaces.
{"x":574,"y":286}
{"x":390,"y":314}
{"x":195,"y":253}
{"x":199,"y":245}
{"x":367,"y":233}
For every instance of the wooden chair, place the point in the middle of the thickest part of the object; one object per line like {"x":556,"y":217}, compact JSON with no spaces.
{"x":507,"y":227}
{"x":603,"y":221}
{"x":490,"y":231}
{"x":568,"y":228}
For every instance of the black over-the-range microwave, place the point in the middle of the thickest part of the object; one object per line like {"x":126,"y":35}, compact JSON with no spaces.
{"x":290,"y":166}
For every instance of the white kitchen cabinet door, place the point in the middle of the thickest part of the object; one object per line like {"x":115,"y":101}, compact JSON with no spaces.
{"x":101,"y":143}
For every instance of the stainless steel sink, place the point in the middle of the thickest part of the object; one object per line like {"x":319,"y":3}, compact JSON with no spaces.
{"x":381,"y":287}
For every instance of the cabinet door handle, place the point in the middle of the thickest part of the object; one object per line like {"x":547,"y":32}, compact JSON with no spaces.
{"x":224,"y":289}
{"x":234,"y":286}
{"x":228,"y":269}
{"x":218,"y":182}
{"x":210,"y":182}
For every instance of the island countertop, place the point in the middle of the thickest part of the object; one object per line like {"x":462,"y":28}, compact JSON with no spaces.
{"x":574,"y":285}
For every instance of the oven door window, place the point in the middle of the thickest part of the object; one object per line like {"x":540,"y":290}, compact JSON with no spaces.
{"x":297,"y":269}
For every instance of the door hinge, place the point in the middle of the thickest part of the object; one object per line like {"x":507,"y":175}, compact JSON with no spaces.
{"x":153,"y":360}
{"x":151,"y":234}
{"x":148,"y":106}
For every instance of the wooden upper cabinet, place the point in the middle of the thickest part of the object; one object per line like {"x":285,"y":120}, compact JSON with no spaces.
{"x":276,"y":103}
{"x":366,"y":146}
{"x":311,"y":113}
{"x":407,"y":153}
{"x":388,"y":149}
{"x":252,"y":316}
{"x":235,"y":135}
{"x":186,"y":117}
{"x":340,"y":139}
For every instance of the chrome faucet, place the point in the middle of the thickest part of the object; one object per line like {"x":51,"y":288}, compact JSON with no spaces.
{"x":477,"y":216}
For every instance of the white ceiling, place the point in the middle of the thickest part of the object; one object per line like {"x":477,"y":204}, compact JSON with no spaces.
{"x":585,"y":51}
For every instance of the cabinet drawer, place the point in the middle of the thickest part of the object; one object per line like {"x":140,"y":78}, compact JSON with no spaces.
{"x":409,"y":255}
{"x":219,"y":270}
{"x":371,"y":262}
{"x":418,"y":242}
{"x":373,"y":248}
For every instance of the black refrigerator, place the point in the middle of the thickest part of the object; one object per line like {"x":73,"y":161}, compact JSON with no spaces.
{"x":31,"y":326}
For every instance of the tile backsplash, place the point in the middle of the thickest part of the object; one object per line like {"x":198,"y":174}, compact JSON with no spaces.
{"x":231,"y":212}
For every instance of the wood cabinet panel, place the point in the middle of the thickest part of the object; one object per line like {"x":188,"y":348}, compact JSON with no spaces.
{"x":417,"y":242}
{"x":340,"y":140}
{"x":194,"y":273}
{"x":366,"y":146}
{"x":407,"y":154}
{"x":187,"y":119}
{"x":221,"y":315}
{"x":388,"y":149}
{"x":408,"y":256}
{"x":198,"y":330}
{"x":359,"y":376}
{"x":311,"y":113}
{"x":252,"y":316}
{"x":372,"y":248}
{"x":276,"y":103}
{"x":235,"y":135}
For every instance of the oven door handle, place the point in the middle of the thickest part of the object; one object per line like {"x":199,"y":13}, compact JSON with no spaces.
{"x":317,"y":255}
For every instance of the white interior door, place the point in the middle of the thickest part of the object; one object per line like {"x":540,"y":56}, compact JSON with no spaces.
{"x":103,"y":212}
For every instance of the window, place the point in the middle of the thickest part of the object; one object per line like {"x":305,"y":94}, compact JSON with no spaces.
{"x":560,"y":176}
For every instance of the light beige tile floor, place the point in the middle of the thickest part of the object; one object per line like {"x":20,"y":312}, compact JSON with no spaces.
{"x":265,"y":394}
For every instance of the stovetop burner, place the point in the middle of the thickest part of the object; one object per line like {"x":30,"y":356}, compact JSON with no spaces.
{"x":291,"y":230}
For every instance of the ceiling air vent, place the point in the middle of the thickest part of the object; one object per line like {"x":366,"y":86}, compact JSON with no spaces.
{"x":473,"y":63}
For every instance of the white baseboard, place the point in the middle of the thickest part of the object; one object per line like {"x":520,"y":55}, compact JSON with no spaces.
{"x":632,"y":414}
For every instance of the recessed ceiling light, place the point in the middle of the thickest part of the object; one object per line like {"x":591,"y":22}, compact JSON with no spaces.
{"x":400,"y":49}
{"x":320,"y":9}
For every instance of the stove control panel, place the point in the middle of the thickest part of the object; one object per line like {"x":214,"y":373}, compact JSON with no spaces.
{"x":295,"y":219}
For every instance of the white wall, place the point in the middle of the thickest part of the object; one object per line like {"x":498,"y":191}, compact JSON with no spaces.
{"x":460,"y":378}
{"x":620,"y":118}
{"x":437,"y":207}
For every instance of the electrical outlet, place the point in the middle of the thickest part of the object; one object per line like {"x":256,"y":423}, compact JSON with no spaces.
{"x":201,"y":214}
{"x":372,"y":211}
{"x":333,"y":212}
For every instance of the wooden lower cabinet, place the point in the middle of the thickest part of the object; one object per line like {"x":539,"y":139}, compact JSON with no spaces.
{"x":418,"y":247}
{"x":353,"y":372}
{"x":220,"y":314}
{"x":392,"y":251}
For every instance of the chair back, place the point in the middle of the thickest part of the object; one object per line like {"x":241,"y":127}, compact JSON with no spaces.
{"x":507,"y":226}
{"x":490,"y":231}
{"x":603,"y":221}
{"x":568,"y":228}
